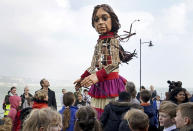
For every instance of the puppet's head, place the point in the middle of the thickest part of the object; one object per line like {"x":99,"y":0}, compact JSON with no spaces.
{"x":104,"y":19}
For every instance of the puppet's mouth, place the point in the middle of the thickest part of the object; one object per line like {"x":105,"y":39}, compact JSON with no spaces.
{"x":102,"y":29}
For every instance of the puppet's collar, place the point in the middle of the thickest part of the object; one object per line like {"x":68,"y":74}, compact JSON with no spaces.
{"x":107,"y":35}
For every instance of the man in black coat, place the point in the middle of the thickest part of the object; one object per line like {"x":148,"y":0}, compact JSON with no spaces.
{"x":51,"y":94}
{"x":114,"y":111}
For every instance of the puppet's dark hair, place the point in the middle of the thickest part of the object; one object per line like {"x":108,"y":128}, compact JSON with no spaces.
{"x":115,"y":21}
{"x":125,"y":56}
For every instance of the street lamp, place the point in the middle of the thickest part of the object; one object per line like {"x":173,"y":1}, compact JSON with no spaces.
{"x":150,"y":45}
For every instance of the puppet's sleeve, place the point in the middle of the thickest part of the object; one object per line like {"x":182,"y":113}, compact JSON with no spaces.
{"x":113,"y":61}
{"x":92,"y":68}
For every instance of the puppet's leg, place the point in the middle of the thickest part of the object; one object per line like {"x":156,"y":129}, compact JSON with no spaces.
{"x":99,"y":104}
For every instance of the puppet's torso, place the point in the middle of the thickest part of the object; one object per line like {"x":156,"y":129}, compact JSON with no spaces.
{"x":106,"y":56}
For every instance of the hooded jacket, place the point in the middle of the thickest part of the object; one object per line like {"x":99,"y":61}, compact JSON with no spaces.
{"x":151,"y":112}
{"x":14,"y":102}
{"x":113,"y":114}
{"x":124,"y":126}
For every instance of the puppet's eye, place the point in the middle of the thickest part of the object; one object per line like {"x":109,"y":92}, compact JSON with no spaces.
{"x":105,"y":17}
{"x":96,"y":19}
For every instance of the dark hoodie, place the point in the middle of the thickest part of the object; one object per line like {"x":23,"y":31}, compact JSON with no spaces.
{"x":113,"y":114}
{"x":124,"y":126}
{"x":150,"y":111}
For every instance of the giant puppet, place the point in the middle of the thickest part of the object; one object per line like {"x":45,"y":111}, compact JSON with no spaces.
{"x":103,"y":73}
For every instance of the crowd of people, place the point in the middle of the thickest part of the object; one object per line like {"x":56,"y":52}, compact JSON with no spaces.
{"x":128,"y":113}
{"x":108,"y":102}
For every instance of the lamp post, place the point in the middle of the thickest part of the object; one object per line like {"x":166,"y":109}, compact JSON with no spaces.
{"x":150,"y":44}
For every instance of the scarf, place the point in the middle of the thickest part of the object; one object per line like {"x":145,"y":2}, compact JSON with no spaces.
{"x":107,"y":35}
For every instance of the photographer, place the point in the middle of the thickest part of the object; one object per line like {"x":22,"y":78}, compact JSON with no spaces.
{"x":173,"y":85}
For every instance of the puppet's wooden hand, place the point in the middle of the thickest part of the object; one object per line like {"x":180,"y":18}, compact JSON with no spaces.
{"x":77,"y":82}
{"x":89,"y":80}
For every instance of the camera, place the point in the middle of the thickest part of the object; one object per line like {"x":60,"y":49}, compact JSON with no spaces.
{"x":174,"y":84}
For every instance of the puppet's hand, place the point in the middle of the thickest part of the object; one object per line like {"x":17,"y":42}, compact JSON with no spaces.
{"x":77,"y":82}
{"x":89,"y":80}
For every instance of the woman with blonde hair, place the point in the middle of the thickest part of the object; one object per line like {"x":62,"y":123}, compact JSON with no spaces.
{"x":40,"y":99}
{"x":45,"y":119}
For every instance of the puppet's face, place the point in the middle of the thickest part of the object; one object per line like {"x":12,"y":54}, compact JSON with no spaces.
{"x":102,"y":21}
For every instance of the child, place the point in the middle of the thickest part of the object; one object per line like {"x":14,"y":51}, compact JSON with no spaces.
{"x":79,"y":102}
{"x":86,"y":97}
{"x":184,"y":117}
{"x":45,"y":119}
{"x":61,"y":98}
{"x":40,"y":99}
{"x":6,"y":124}
{"x":77,"y":91}
{"x":103,"y":74}
{"x":113,"y":112}
{"x":167,"y":113}
{"x":86,"y":120}
{"x":68,"y":111}
{"x":130,"y":88}
{"x":156,"y":104}
{"x":124,"y":124}
{"x":145,"y":97}
{"x":137,"y":120}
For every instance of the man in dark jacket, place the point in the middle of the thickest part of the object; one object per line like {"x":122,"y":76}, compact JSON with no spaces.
{"x":114,"y":111}
{"x":51,"y":94}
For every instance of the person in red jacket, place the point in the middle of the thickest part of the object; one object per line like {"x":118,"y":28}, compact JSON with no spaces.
{"x":40,"y":99}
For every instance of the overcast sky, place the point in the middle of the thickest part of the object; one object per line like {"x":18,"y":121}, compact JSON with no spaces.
{"x":54,"y":39}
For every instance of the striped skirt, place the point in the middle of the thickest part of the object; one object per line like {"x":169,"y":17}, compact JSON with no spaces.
{"x":104,"y":92}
